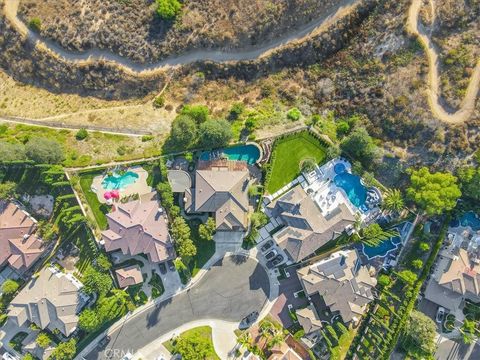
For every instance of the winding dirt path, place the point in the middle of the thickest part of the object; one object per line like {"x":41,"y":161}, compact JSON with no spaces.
{"x":251,"y":53}
{"x":467,"y":105}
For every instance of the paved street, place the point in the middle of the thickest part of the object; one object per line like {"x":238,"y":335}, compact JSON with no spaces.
{"x":234,"y":287}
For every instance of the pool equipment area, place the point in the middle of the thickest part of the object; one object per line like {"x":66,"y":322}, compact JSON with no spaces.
{"x":249,"y":153}
{"x":119,"y":181}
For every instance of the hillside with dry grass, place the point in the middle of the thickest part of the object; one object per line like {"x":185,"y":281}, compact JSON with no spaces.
{"x":132,"y":28}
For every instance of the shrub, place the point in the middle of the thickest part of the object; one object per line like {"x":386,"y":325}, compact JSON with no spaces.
{"x":146,"y":138}
{"x":159,"y":102}
{"x":81,"y":134}
{"x":168,"y":9}
{"x":199,"y":113}
{"x":44,"y":151}
{"x":417,"y":264}
{"x":35,"y":24}
{"x":308,"y":165}
{"x":384,"y":280}
{"x":10,"y":287}
{"x":424,"y":246}
{"x":342,"y":128}
{"x":294,"y":114}
{"x":236,"y":110}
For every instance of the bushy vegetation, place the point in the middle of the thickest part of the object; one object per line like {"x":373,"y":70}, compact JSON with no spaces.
{"x":168,"y":9}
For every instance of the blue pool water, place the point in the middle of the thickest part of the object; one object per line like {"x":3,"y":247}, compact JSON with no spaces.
{"x":470,"y":219}
{"x":119,"y":182}
{"x":249,"y":153}
{"x":381,"y":250}
{"x":339,"y":168}
{"x":356,"y":192}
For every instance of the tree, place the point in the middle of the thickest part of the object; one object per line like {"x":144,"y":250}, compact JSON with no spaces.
{"x":65,"y":350}
{"x":433,"y":193}
{"x":468,"y":331}
{"x":408,"y":277}
{"x":236,"y":110}
{"x":258,"y":219}
{"x":193,"y":347}
{"x":470,"y":182}
{"x":168,"y":9}
{"x":166,"y":194}
{"x":207,"y":230}
{"x":110,"y":307}
{"x":308,"y":165}
{"x":10,"y":287}
{"x":419,"y":338}
{"x":35,"y":24}
{"x":43,"y":340}
{"x":424,"y":246}
{"x":215,"y":133}
{"x":417,"y":264}
{"x":186,"y":248}
{"x":184,"y":132}
{"x":361,"y":147}
{"x":180,"y":229}
{"x":96,"y":282}
{"x":342,"y":128}
{"x":44,"y":151}
{"x":7,"y":190}
{"x":11,"y":152}
{"x":199,"y":113}
{"x":333,"y":152}
{"x":46,"y":231}
{"x":294,"y":114}
{"x":373,"y":235}
{"x":81,"y":134}
{"x":89,"y":320}
{"x":103,"y":263}
{"x":384,"y":280}
{"x":28,"y":356}
{"x":393,"y":201}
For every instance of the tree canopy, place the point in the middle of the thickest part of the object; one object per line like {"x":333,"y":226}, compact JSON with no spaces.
{"x":373,"y":235}
{"x":215,"y":133}
{"x":65,"y":350}
{"x":199,"y":113}
{"x":11,"y":152}
{"x":44,"y":151}
{"x":96,"y":282}
{"x":393,"y":200}
{"x":360,"y":145}
{"x":183,"y":134}
{"x":89,"y":320}
{"x":7,"y":190}
{"x":10,"y":287}
{"x":207,"y":230}
{"x":470,"y":182}
{"x":420,"y":332}
{"x":43,"y":340}
{"x":168,"y":9}
{"x":434,"y":193}
{"x":193,"y":347}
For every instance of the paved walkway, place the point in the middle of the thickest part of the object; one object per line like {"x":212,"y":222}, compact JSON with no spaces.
{"x":467,"y":106}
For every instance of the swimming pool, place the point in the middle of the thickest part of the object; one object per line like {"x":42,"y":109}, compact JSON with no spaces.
{"x":119,"y":182}
{"x":355,"y":190}
{"x":383,"y":249}
{"x":249,"y":153}
{"x":469,"y":219}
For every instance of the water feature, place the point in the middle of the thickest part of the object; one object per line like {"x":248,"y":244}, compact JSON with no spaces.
{"x":249,"y":153}
{"x":119,"y":181}
{"x":355,"y":190}
{"x":383,"y":249}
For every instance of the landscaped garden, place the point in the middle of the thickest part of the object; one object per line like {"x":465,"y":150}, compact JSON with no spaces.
{"x":195,"y":343}
{"x":288,"y":154}
{"x":98,"y":209}
{"x":205,"y":248}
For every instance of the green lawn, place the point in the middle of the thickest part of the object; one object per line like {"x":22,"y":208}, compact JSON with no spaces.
{"x":202,"y":332}
{"x":99,"y":210}
{"x":288,"y":155}
{"x":205,"y":249}
{"x":340,"y":351}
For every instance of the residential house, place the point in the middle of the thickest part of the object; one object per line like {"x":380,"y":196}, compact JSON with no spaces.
{"x":139,"y":227}
{"x":51,"y":300}
{"x":309,"y":319}
{"x":128,"y":276}
{"x":19,"y":246}
{"x":286,"y":351}
{"x":339,"y":284}
{"x":221,"y":189}
{"x":306,"y":228}
{"x":456,"y":279}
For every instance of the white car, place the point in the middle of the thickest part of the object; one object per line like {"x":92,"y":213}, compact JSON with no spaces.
{"x":8,"y":356}
{"x":440,"y":315}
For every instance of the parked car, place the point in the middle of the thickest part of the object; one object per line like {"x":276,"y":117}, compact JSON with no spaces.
{"x":266,"y":246}
{"x":171,"y":265}
{"x":277,"y":260}
{"x":270,"y":255}
{"x":248,"y":320}
{"x":163,"y":268}
{"x":8,"y":356}
{"x":440,"y":315}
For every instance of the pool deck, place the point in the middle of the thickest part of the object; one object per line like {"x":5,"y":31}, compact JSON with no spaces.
{"x":139,"y":187}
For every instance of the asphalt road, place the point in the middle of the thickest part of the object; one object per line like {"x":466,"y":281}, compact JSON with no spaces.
{"x":234,"y":287}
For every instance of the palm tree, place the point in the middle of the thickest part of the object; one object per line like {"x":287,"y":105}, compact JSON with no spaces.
{"x":245,"y":340}
{"x":276,"y":339}
{"x":393,"y":201}
{"x":373,"y":235}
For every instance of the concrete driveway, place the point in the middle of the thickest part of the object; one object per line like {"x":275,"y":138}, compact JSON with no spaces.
{"x":234,"y":287}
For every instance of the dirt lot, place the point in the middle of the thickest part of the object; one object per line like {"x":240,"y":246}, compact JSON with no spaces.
{"x":132,"y":28}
